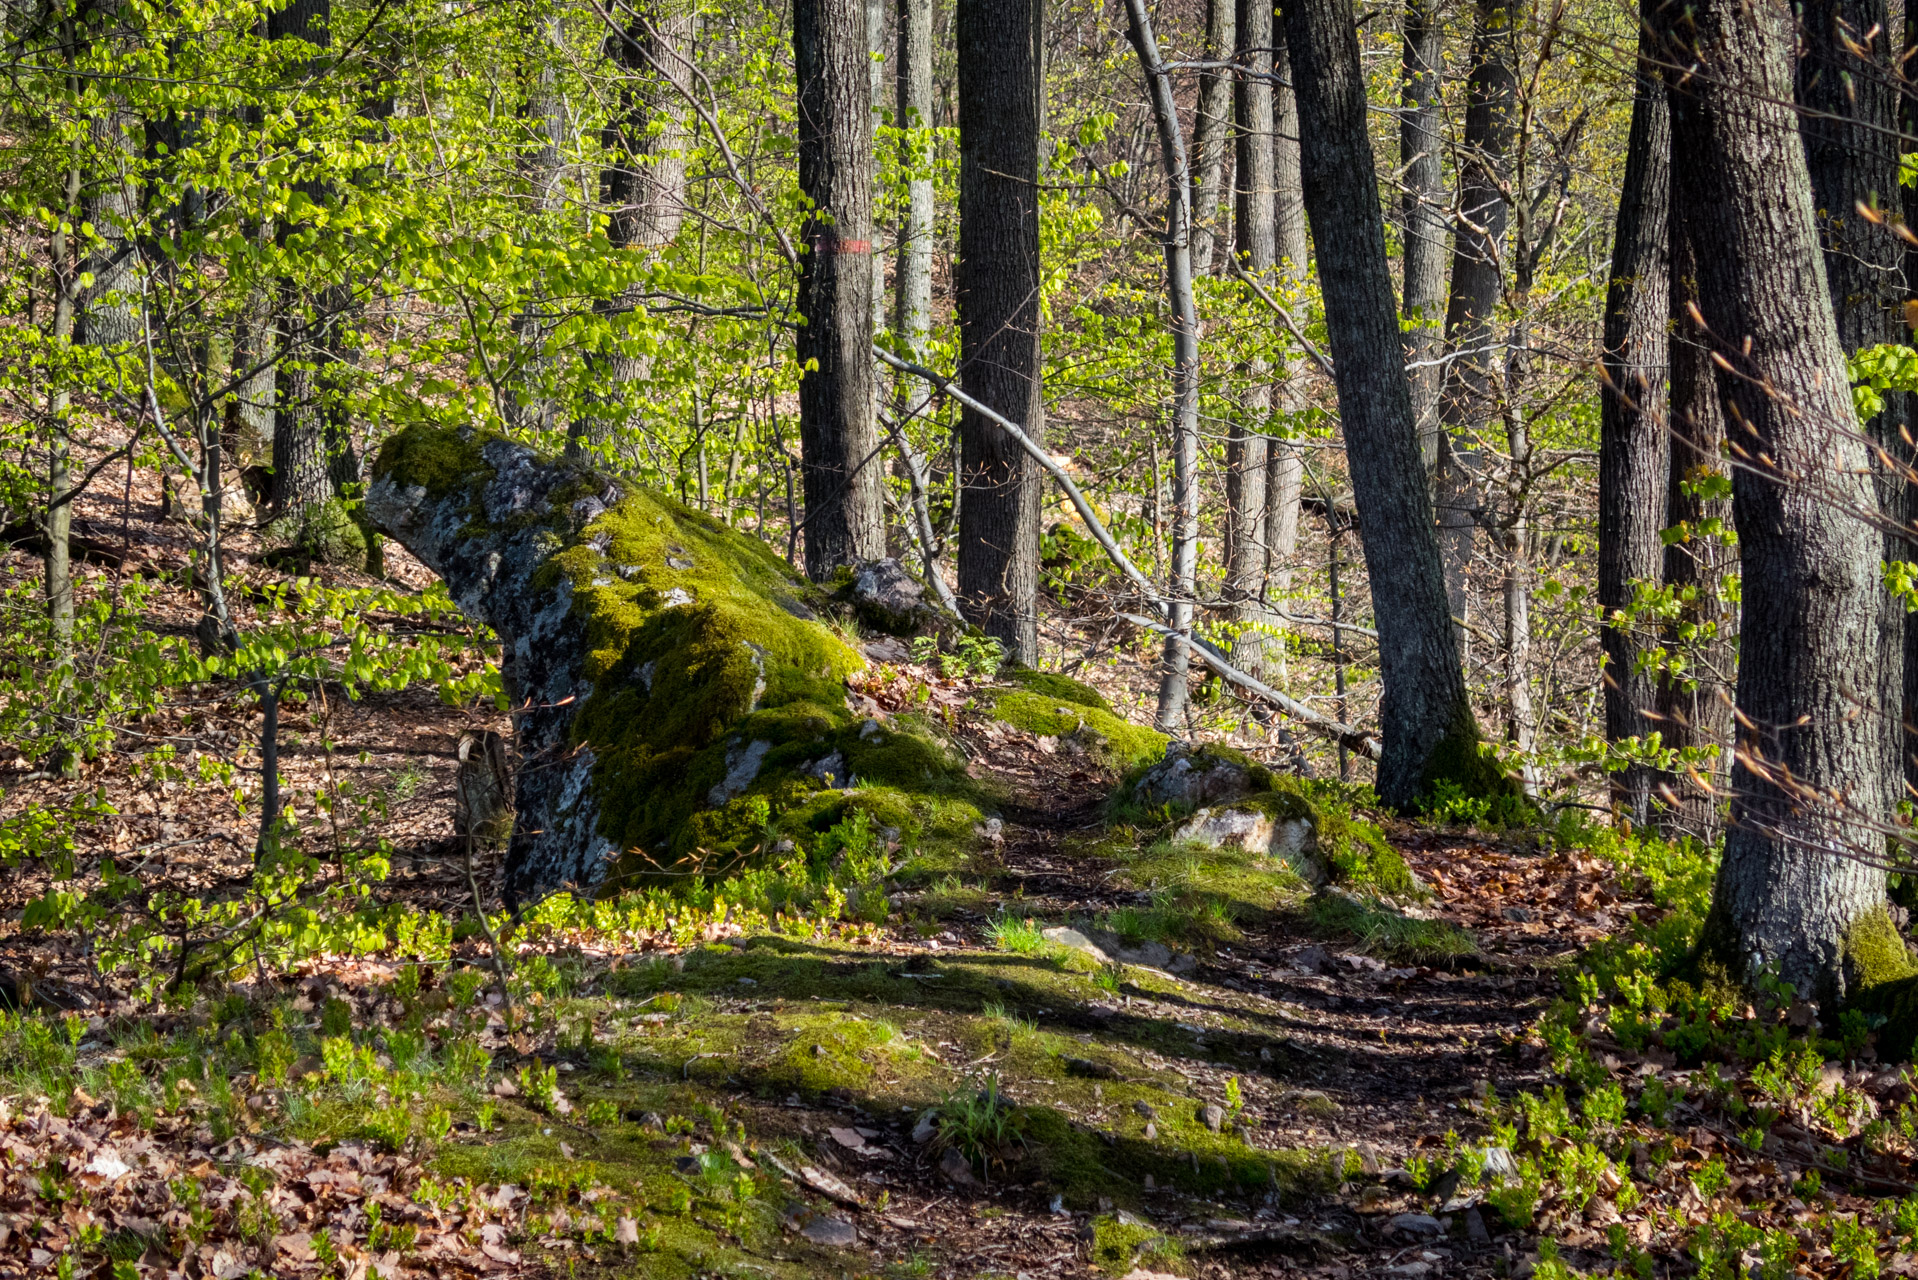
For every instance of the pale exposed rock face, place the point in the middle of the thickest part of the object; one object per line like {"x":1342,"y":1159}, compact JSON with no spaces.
{"x":664,"y":670}
{"x":489,"y":572}
{"x":1191,"y":781}
{"x":1256,"y":829}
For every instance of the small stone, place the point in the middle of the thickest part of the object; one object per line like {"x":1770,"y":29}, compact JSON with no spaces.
{"x":1518,"y":915}
{"x":836,"y":1232}
{"x":1150,"y":1184}
{"x":1151,"y":1131}
{"x":1475,"y":1229}
{"x":1145,"y":1109}
{"x":1422,"y":1225}
{"x":926,"y":1130}
{"x":1214,"y":1116}
{"x":1060,"y":935}
{"x":953,"y":1165}
{"x":1373,"y":1199}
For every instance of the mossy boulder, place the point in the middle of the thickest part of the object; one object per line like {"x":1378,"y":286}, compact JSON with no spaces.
{"x":1186,"y":780}
{"x":680,"y":701}
{"x":1319,"y":838}
{"x":1880,"y":966}
{"x":1055,"y":706}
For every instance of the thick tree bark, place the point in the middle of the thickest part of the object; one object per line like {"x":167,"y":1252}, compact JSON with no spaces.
{"x":307,"y":337}
{"x":1428,"y":726}
{"x":1908,"y":719}
{"x":1809,"y":789}
{"x":1211,"y":135}
{"x":845,"y":518}
{"x":1247,"y":446}
{"x":1847,"y":81}
{"x":1633,"y":455}
{"x":1467,"y":399}
{"x":1421,"y":214}
{"x":1183,"y":313}
{"x":996,"y":289}
{"x":1695,"y":711}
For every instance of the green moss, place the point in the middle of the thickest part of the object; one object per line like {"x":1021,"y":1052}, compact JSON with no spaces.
{"x":433,"y":458}
{"x":1874,"y":952}
{"x":1461,"y":759}
{"x":1060,"y":688}
{"x":704,"y":647}
{"x":318,"y":533}
{"x":1112,"y":740}
{"x":1117,"y":1245}
{"x":1356,"y":854}
{"x":1879,"y":967}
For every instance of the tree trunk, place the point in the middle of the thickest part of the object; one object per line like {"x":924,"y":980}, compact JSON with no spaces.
{"x":1847,"y":81}
{"x":1422,"y":217}
{"x":1211,"y":134}
{"x":111,"y":203}
{"x":543,"y":171}
{"x":845,"y":519}
{"x":1809,"y":791}
{"x":996,"y":290}
{"x":1288,"y":186}
{"x":1247,"y":451}
{"x":1285,"y":468}
{"x":1908,"y":719}
{"x":644,"y":182}
{"x":1695,"y":712}
{"x":59,"y":410}
{"x":1468,"y":397}
{"x":1633,"y":456}
{"x":301,"y":463}
{"x":1185,"y":370}
{"x":912,"y":273}
{"x":1429,"y":731}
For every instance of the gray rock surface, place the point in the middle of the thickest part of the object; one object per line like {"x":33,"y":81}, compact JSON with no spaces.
{"x":1190,"y":782}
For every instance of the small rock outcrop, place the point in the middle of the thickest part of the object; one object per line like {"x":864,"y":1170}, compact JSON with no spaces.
{"x":1187,"y":780}
{"x":676,"y":694}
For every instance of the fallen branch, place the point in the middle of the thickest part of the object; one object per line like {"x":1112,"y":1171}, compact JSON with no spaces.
{"x":1354,"y":739}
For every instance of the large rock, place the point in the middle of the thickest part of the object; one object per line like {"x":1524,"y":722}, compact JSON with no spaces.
{"x":1276,"y":824}
{"x":1187,"y":780}
{"x":675,"y":691}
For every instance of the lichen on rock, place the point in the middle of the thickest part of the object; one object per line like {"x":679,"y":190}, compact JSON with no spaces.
{"x":677,"y":698}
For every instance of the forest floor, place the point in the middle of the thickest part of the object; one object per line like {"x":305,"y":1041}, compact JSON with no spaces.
{"x":1321,"y":1085}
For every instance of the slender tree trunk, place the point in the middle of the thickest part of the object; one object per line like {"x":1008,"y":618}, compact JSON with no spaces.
{"x":1211,"y":135}
{"x":59,"y":407}
{"x":1467,"y":401}
{"x":1247,"y":446}
{"x":845,"y":518}
{"x":1185,"y":369}
{"x":1695,"y":712}
{"x":1288,"y":183}
{"x":1847,"y":81}
{"x":1809,"y":790}
{"x":543,"y":171}
{"x":1633,"y":457}
{"x":1422,"y":216}
{"x":912,"y":273}
{"x":643,"y":183}
{"x":1429,"y":731}
{"x":1285,"y":468}
{"x":996,"y":289}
